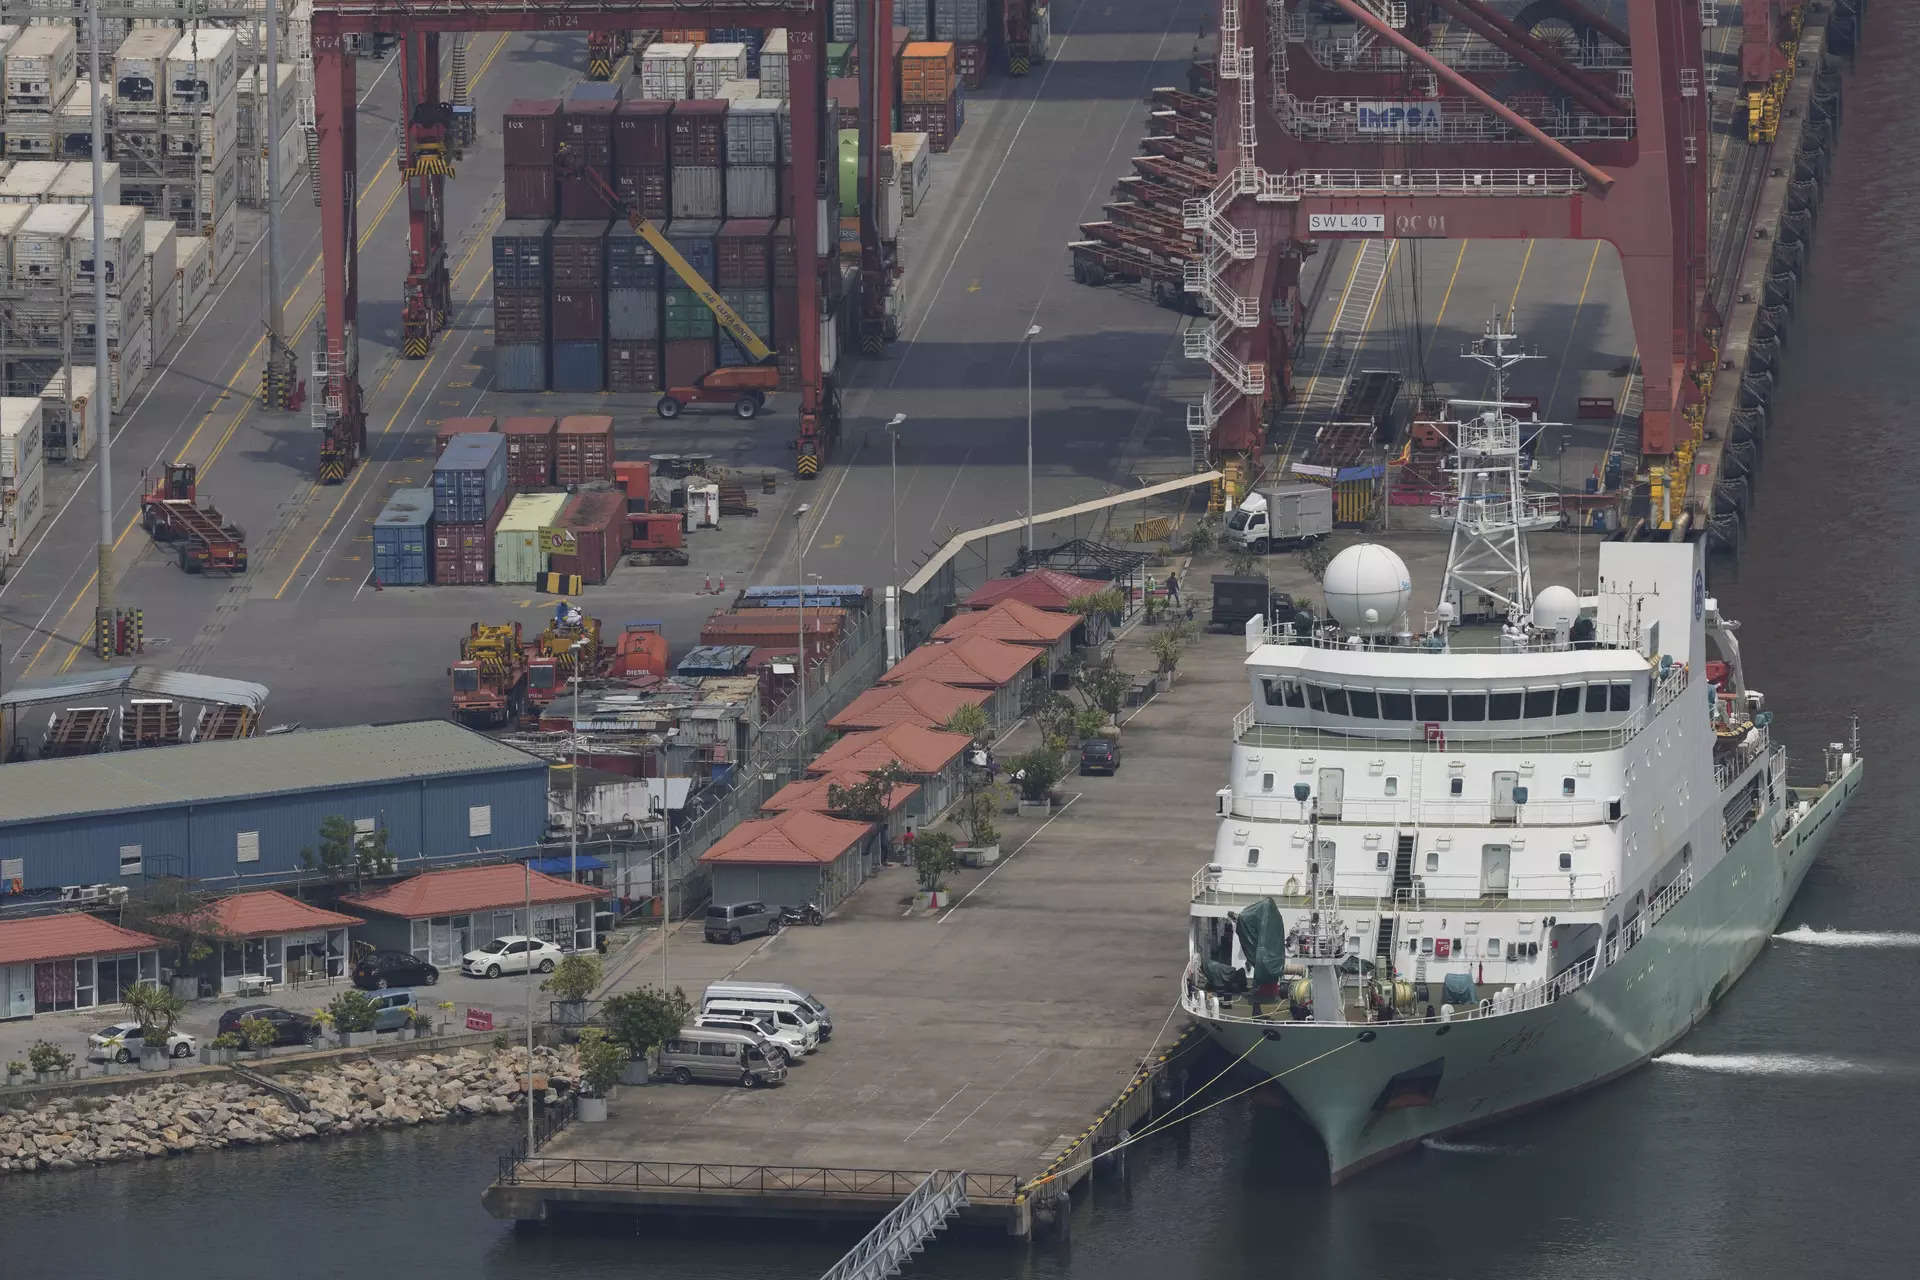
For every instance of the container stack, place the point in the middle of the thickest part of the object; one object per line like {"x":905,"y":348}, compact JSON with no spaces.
{"x":687,"y":325}
{"x":913,"y":169}
{"x":22,"y":473}
{"x":964,"y":22}
{"x":577,"y":306}
{"x":73,"y":183}
{"x":165,"y":314}
{"x":451,"y":427}
{"x":517,"y":554}
{"x":633,"y":312}
{"x":140,"y":109}
{"x":41,"y":64}
{"x":752,"y":133}
{"x":786,"y":304}
{"x":470,"y":497}
{"x":844,"y":19}
{"x":200,"y":134}
{"x":744,"y":276}
{"x":586,"y":131}
{"x":640,"y":156}
{"x":73,"y":126}
{"x":666,"y":71}
{"x":529,"y":451}
{"x":521,"y":255}
{"x":773,"y":70}
{"x":932,"y":99}
{"x":254,"y":118}
{"x":696,"y":151}
{"x":714,"y":65}
{"x":583,"y":449}
{"x":915,"y":15}
{"x":123,"y":259}
{"x":401,"y":534}
{"x":530,"y":133}
{"x":752,"y":39}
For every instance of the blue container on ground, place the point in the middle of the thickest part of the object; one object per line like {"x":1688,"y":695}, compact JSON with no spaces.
{"x":579,"y":366}
{"x":520,"y":366}
{"x":402,"y":537}
{"x":520,"y":254}
{"x":470,"y":478}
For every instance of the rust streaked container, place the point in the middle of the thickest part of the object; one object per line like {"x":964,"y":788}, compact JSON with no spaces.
{"x":972,"y":59}
{"x":520,"y":315}
{"x":451,"y":427}
{"x":529,"y":451}
{"x":578,"y":313}
{"x":777,"y":628}
{"x":533,"y":191}
{"x":579,"y":254}
{"x":684,"y":360}
{"x":633,"y":364}
{"x":598,"y":522}
{"x":583,"y":449}
{"x":742,"y":260}
{"x":530,"y":131}
{"x":697,"y":133}
{"x":645,"y":185}
{"x":640,"y":134}
{"x":463,"y":553}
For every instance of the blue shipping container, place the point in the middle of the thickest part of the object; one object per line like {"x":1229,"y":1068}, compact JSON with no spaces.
{"x":579,"y":366}
{"x":755,"y":307}
{"x":595,"y":91}
{"x":633,"y":314}
{"x":520,"y":254}
{"x":520,"y":366}
{"x":401,"y":536}
{"x":693,"y":239}
{"x":631,"y":261}
{"x":470,"y":479}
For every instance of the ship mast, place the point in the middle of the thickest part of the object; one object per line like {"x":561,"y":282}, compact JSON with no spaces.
{"x":1489,"y":509}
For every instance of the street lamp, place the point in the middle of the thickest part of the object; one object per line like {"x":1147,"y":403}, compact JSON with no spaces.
{"x":1033,"y":331}
{"x":801,"y":736}
{"x":573,"y":822}
{"x":893,"y":475}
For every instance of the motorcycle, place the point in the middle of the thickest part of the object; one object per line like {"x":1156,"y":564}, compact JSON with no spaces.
{"x":809,"y":914}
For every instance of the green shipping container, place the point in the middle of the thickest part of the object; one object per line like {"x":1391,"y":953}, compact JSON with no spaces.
{"x":849,"y":170}
{"x":839,"y":58}
{"x":686,"y":316}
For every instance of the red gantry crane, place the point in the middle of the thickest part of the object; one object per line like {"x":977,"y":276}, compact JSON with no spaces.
{"x":424,"y":162}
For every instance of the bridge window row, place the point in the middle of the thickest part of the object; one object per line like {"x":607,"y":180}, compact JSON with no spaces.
{"x":1441,"y":707}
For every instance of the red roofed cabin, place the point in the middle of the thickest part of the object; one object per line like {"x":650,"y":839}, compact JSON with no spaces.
{"x":1016,"y":622}
{"x":792,"y":859}
{"x":439,"y":916}
{"x":927,"y":703}
{"x":974,"y":662}
{"x":934,"y":759}
{"x":269,"y":937}
{"x":70,"y":960}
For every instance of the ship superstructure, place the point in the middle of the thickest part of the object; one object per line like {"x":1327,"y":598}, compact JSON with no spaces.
{"x":1444,"y":845}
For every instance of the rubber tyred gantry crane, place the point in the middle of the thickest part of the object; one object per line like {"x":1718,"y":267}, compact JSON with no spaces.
{"x":418,"y":25}
{"x":1449,"y":118}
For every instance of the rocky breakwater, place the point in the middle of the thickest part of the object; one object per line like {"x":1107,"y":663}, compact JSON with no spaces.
{"x":178,"y":1116}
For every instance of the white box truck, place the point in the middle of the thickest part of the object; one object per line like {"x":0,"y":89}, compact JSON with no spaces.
{"x":1281,"y":515}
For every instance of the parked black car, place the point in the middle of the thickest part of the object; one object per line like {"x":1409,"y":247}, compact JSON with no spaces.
{"x":288,"y":1027}
{"x":393,"y":969}
{"x":1099,"y":755}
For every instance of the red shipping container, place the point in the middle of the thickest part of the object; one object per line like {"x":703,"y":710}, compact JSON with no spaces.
{"x":786,"y":335}
{"x":633,"y":365}
{"x":581,"y":197}
{"x":844,"y":93}
{"x":786,"y":266}
{"x":640,"y":134}
{"x":578,"y":314}
{"x":776,"y":628}
{"x":587,"y":130}
{"x":940,"y":123}
{"x":646,"y":186}
{"x":973,"y":62}
{"x":463,"y":553}
{"x":697,"y":133}
{"x":635,"y":480}
{"x":532,"y":191}
{"x":741,"y":254}
{"x":583,"y":449}
{"x":529,"y":452}
{"x":580,"y":255}
{"x":598,"y":522}
{"x":530,"y":132}
{"x":519,"y":315}
{"x":684,"y":360}
{"x":451,"y":427}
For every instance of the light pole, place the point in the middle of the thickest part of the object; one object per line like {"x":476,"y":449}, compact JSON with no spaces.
{"x":893,"y":475}
{"x":800,"y":752}
{"x":1033,"y":331}
{"x":573,"y":821}
{"x":527,"y":871}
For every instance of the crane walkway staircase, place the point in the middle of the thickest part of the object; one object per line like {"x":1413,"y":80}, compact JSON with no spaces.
{"x":905,"y":1231}
{"x":1298,"y":425}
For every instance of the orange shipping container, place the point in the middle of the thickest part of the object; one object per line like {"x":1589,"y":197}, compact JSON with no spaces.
{"x":927,"y":71}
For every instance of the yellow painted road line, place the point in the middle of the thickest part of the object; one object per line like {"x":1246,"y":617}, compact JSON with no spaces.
{"x":246,"y":363}
{"x":1433,"y":334}
{"x":1514,"y":301}
{"x":1573,"y":330}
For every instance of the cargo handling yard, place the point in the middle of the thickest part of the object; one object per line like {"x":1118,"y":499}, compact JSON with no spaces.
{"x":660,"y":400}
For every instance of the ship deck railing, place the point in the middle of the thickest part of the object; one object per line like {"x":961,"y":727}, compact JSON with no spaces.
{"x":1591,"y":892}
{"x":1518,"y":998}
{"x":1406,"y":812}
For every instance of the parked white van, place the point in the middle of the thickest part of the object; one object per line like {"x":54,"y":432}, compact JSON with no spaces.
{"x":700,"y":1053}
{"x":775,"y":991}
{"x":786,"y":1015}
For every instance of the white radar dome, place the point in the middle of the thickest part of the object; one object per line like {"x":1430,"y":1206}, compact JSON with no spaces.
{"x":1556,"y":609}
{"x":1367,"y":589}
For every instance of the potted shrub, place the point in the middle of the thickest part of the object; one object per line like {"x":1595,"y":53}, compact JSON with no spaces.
{"x":224,"y":1048}
{"x":934,"y":859}
{"x":258,"y":1034}
{"x":570,"y":983}
{"x":352,"y":1014}
{"x":422,"y":1023}
{"x":601,"y":1062}
{"x":15,"y":1070}
{"x":976,"y":812}
{"x":641,"y":1021}
{"x":156,"y":1009}
{"x":1035,"y":773}
{"x":48,"y":1061}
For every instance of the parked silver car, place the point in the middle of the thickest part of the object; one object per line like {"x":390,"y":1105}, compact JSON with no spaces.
{"x":736,"y":920}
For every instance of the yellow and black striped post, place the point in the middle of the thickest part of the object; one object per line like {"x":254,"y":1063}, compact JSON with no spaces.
{"x":559,"y":584}
{"x":806,"y":466}
{"x":103,"y":634}
{"x":599,"y":68}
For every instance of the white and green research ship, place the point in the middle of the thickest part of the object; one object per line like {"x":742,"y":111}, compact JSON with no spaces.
{"x":1468,"y":867}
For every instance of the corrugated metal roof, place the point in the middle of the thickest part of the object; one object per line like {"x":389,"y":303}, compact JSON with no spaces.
{"x":151,"y":681}
{"x":206,"y":771}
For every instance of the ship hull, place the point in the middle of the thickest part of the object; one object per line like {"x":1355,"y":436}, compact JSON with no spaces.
{"x":1374,"y":1090}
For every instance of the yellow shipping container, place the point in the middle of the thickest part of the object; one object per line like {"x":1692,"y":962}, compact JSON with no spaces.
{"x":516,"y":545}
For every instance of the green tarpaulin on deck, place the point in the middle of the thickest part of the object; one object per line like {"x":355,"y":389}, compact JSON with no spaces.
{"x":1263,"y":940}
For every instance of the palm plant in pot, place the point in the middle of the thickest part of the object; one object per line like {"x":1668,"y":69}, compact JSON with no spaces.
{"x":156,"y":1009}
{"x":601,"y":1062}
{"x":933,"y":860}
{"x":1036,"y":772}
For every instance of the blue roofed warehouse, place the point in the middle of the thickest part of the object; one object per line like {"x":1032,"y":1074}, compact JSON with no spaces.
{"x":241,"y":811}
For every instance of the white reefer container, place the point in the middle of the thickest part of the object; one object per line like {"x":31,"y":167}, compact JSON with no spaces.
{"x":124,"y":252}
{"x":41,"y":247}
{"x":20,"y":430}
{"x":73,"y":127}
{"x":210,"y":133}
{"x":12,"y":217}
{"x":140,"y":71}
{"x":195,"y":256}
{"x":74,"y":183}
{"x":714,"y":65}
{"x":66,"y":433}
{"x":161,"y":241}
{"x":41,"y":65}
{"x":23,"y":502}
{"x":253,"y":107}
{"x":30,"y":180}
{"x":202,"y":68}
{"x":666,"y":71}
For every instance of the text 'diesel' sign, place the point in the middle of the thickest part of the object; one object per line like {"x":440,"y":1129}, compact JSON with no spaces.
{"x":1350,"y":222}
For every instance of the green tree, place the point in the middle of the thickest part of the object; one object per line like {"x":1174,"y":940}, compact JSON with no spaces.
{"x":1243,"y":563}
{"x":970,"y":720}
{"x":343,"y":853}
{"x":601,"y":1061}
{"x":1102,"y":685}
{"x":1109,"y":602}
{"x":1168,"y":646}
{"x":642,"y":1019}
{"x":1037,"y":770}
{"x":351,"y":1011}
{"x":976,"y":811}
{"x":934,"y":859}
{"x":1201,"y":538}
{"x":174,"y":908}
{"x":574,"y":978}
{"x":868,"y":801}
{"x":1315,"y":560}
{"x":257,"y":1032}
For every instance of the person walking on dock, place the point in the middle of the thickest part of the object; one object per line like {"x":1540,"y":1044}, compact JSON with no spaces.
{"x":1173,"y":586}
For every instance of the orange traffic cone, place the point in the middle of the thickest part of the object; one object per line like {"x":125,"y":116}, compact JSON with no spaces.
{"x":706,"y":585}
{"x":722,"y":588}
{"x":376,"y":583}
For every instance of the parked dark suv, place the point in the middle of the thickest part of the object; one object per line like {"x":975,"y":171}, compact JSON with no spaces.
{"x":393,"y":969}
{"x":288,"y":1027}
{"x":1099,"y":755}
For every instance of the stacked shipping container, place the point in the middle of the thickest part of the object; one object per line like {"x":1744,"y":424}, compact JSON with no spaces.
{"x":470,"y":496}
{"x":401,"y":534}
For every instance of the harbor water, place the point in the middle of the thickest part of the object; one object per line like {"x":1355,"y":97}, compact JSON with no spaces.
{"x":1778,"y":1140}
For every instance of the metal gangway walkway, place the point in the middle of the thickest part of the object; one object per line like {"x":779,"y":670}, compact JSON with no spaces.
{"x":1300,"y":422}
{"x":905,"y":1231}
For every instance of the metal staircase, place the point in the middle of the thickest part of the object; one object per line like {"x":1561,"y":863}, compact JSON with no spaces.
{"x":1314,"y":406}
{"x":905,"y":1230}
{"x":300,"y":49}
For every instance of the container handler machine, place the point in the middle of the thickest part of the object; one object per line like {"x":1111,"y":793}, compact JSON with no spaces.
{"x":170,"y":511}
{"x":490,"y":678}
{"x":558,"y":654}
